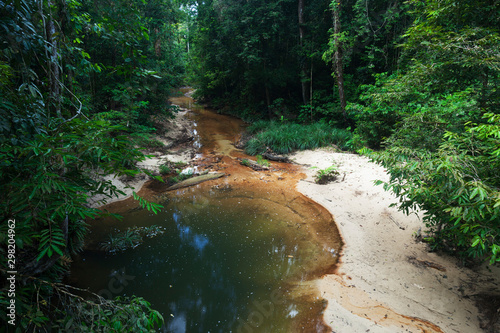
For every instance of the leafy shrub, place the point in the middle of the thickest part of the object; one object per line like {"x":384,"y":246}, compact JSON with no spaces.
{"x":457,"y":187}
{"x":180,"y":176}
{"x":147,"y":141}
{"x":426,"y":123}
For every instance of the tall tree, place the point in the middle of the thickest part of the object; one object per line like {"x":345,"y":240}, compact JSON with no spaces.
{"x":338,"y":63}
{"x":301,"y":44}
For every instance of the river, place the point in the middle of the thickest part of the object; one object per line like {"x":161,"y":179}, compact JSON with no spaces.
{"x":237,"y":254}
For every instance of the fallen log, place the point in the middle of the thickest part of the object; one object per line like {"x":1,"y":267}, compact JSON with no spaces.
{"x":195,"y":180}
{"x":253,"y":165}
{"x":277,"y":158}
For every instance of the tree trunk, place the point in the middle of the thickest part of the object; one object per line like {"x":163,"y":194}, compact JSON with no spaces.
{"x":311,"y":91}
{"x":54,"y":71}
{"x":302,"y":63}
{"x":337,"y":57}
{"x":268,"y":101}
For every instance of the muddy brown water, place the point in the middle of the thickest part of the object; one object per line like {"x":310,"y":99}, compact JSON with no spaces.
{"x":239,"y":254}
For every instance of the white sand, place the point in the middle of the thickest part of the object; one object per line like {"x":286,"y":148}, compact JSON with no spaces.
{"x":377,"y":288}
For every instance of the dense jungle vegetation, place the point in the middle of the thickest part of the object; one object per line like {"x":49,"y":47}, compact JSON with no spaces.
{"x":413,"y":84}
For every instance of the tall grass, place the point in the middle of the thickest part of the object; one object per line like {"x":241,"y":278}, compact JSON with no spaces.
{"x":283,"y":137}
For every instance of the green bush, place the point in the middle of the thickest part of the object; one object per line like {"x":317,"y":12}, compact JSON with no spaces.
{"x":180,"y":176}
{"x":147,"y":141}
{"x":457,"y":187}
{"x":284,"y":137}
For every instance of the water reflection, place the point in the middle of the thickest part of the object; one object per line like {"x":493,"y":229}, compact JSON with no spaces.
{"x":215,"y":261}
{"x":197,"y":241}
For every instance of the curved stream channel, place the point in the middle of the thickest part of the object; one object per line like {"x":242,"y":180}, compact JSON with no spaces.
{"x":239,"y":254}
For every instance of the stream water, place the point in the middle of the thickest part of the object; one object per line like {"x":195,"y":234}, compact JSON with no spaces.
{"x":238,"y":254}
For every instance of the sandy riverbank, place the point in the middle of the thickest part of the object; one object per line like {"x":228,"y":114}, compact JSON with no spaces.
{"x":178,"y":130}
{"x":386,"y":280}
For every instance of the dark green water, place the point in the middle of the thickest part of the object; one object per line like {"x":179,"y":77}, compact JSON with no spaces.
{"x":227,"y":262}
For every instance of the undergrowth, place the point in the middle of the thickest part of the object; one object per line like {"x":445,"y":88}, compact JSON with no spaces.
{"x":284,"y":137}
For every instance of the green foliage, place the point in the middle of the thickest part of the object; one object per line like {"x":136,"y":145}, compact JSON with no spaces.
{"x":147,"y":141}
{"x":180,"y":175}
{"x":438,"y":119}
{"x":150,"y":206}
{"x":180,"y":164}
{"x":283,"y":137}
{"x":457,"y":187}
{"x":45,"y":184}
{"x":424,"y":126}
{"x":126,"y":314}
{"x":121,"y":242}
{"x":96,"y":314}
{"x":262,"y":161}
{"x":324,"y":176}
{"x":388,"y":111}
{"x":61,"y":63}
{"x":131,"y":45}
{"x":247,"y":56}
{"x":165,"y":169}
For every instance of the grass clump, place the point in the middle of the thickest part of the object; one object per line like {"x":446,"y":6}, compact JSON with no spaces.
{"x":165,"y":169}
{"x":324,"y":176}
{"x":180,"y":177}
{"x":284,"y":137}
{"x":263,"y":162}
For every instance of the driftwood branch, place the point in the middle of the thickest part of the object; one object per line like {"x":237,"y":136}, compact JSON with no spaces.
{"x":277,"y":158}
{"x":395,"y":222}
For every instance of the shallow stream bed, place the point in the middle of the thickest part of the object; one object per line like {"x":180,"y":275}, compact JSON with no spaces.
{"x":238,"y":254}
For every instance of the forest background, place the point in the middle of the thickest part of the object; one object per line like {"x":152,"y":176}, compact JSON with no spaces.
{"x":84,"y":85}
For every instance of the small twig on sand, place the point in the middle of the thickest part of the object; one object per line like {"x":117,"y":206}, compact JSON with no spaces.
{"x":396,"y":223}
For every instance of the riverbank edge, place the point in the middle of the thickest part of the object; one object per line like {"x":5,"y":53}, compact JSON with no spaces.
{"x":175,"y":129}
{"x":386,"y":281}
